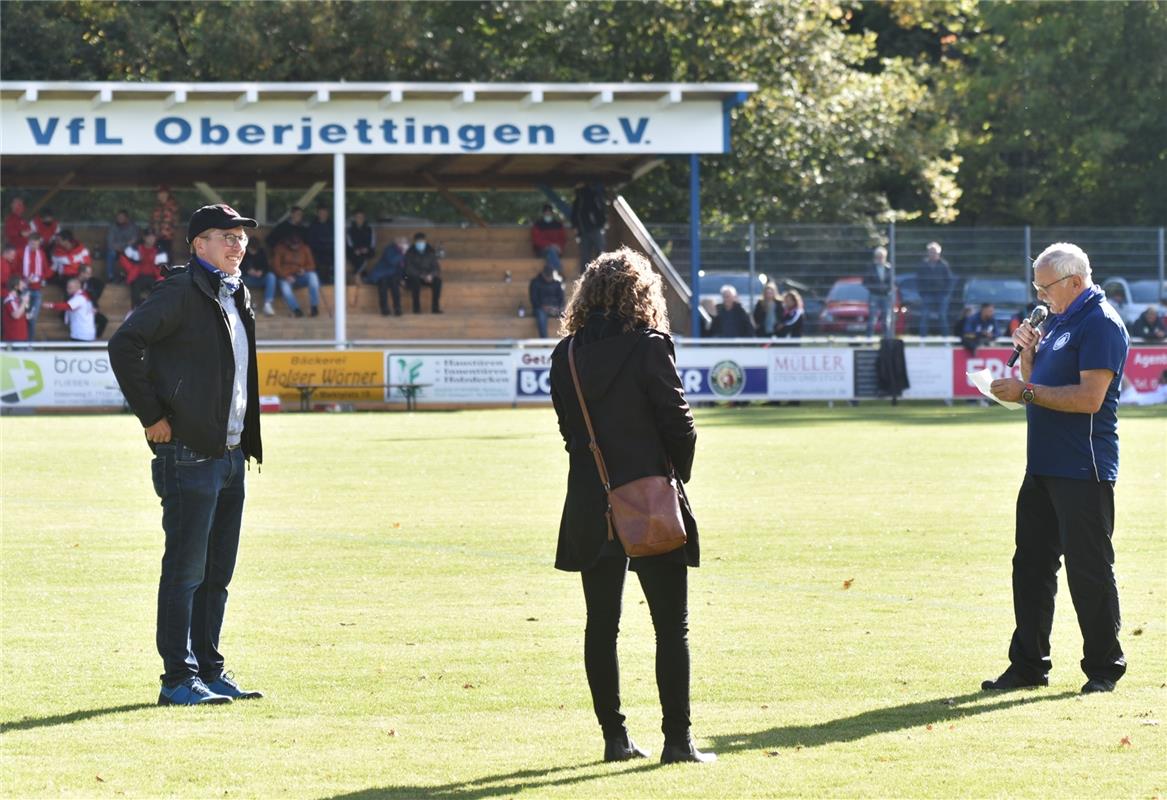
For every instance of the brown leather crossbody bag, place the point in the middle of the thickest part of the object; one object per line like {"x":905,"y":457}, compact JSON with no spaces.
{"x":645,"y":513}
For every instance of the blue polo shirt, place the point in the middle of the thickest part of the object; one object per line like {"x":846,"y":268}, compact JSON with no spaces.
{"x":1087,"y":335}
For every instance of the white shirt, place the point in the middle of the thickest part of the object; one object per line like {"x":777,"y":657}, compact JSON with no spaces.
{"x":81,"y":317}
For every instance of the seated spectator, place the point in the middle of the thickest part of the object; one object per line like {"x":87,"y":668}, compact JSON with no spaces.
{"x":164,"y":218}
{"x":731,"y":321}
{"x":291,"y":225}
{"x":14,"y":314}
{"x":1020,"y":317}
{"x":768,"y":311}
{"x":548,"y":233}
{"x":422,"y":268}
{"x":966,"y":313}
{"x":388,"y":273}
{"x":34,"y":267}
{"x":320,"y":239}
{"x":360,"y":243}
{"x":793,"y":316}
{"x":1149,"y":326}
{"x":980,"y":329}
{"x":48,"y":227}
{"x":85,"y":324}
{"x":121,"y":234}
{"x":546,"y":293}
{"x":16,"y":227}
{"x":69,"y":256}
{"x":143,"y":263}
{"x":294,"y":268}
{"x":8,"y":264}
{"x":257,"y":273}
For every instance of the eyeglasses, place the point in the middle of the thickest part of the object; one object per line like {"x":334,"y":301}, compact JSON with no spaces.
{"x":1040,"y":288}
{"x":232,"y":240}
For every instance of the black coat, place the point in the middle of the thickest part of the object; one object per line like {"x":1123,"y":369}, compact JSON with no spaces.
{"x":733,"y":323}
{"x":173,"y":359}
{"x":642,"y":421}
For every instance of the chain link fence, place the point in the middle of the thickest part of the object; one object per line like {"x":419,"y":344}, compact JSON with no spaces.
{"x":989,"y":264}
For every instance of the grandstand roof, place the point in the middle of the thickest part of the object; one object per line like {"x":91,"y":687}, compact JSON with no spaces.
{"x":468,"y":136}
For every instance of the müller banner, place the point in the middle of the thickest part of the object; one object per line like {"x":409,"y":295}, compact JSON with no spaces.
{"x":274,"y":126}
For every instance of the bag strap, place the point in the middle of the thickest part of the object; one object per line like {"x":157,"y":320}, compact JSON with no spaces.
{"x":593,"y":445}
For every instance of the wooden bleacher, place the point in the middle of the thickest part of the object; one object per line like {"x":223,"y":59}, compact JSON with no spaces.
{"x":477,"y":301}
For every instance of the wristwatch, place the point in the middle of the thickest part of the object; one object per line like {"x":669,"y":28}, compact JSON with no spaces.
{"x":1027,"y":394}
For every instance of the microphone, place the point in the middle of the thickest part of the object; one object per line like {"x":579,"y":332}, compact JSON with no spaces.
{"x":1036,"y":317}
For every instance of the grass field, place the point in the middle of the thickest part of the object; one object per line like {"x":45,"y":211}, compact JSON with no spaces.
{"x":395,"y":599}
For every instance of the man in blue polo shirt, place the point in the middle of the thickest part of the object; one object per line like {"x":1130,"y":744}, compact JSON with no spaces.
{"x":1071,"y":371}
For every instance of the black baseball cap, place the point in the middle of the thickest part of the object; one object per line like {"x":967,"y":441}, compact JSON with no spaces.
{"x":217,"y":217}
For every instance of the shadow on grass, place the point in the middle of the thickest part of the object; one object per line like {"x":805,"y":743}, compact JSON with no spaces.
{"x":879,"y":720}
{"x":506,"y":784}
{"x":28,"y":723}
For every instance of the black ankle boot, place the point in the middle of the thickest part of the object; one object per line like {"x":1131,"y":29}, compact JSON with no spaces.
{"x":681,"y":753}
{"x":622,"y":748}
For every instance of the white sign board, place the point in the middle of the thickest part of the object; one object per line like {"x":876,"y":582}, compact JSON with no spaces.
{"x":812,"y":373}
{"x":354,"y":126}
{"x":454,"y":377}
{"x":929,"y":373}
{"x":61,"y":378}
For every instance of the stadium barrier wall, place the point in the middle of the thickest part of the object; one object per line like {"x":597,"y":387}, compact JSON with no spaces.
{"x":471,"y":374}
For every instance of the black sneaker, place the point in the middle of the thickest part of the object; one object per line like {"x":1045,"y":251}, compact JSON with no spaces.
{"x":297,"y":313}
{"x":1010,"y":680}
{"x":315,"y":312}
{"x":1096,"y":685}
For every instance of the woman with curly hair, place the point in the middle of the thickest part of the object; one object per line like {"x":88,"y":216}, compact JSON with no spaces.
{"x":618,"y":325}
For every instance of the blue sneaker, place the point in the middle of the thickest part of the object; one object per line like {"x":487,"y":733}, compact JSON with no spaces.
{"x":225,"y":685}
{"x":191,"y":692}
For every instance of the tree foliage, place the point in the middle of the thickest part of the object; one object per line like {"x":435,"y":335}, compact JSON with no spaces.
{"x":865,"y":111}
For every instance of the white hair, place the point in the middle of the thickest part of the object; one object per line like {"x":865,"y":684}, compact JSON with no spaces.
{"x":1064,"y":259}
{"x":934,"y":246}
{"x":729,"y":288}
{"x":880,"y":251}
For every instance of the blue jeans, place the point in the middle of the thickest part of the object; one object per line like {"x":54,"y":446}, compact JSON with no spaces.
{"x":541,"y":318}
{"x":939,"y":306}
{"x":591,"y":244}
{"x":267,"y":282}
{"x":111,"y":260}
{"x":878,"y":309}
{"x":34,"y":311}
{"x":309,"y":279}
{"x":202,"y":509}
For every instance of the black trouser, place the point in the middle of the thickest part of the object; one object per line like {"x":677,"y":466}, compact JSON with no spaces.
{"x":415,"y":285}
{"x":665,"y":588}
{"x":1075,"y":518}
{"x":386,"y":287}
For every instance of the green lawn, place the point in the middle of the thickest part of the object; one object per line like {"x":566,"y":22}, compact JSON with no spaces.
{"x":396,"y":601}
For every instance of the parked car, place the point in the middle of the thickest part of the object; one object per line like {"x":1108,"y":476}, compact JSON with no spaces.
{"x":1008,"y":297}
{"x":846,"y":309}
{"x":1131,"y":298}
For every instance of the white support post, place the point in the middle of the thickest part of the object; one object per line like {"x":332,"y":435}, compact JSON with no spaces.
{"x":261,"y":202}
{"x":206,"y":191}
{"x":339,"y":295}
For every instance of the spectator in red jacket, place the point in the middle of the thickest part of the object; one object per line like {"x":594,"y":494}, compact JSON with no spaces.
{"x":48,"y":226}
{"x":143,"y":262}
{"x":549,"y":234}
{"x":164,"y":218}
{"x":69,"y":256}
{"x":16,"y":228}
{"x":14,"y":314}
{"x":8,"y":264}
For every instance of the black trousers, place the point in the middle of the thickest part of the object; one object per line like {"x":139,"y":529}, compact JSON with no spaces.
{"x":385,"y":287}
{"x":415,"y":286}
{"x":666,"y":589}
{"x":1074,"y":518}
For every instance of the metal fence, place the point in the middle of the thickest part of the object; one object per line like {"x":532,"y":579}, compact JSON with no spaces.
{"x":816,"y":256}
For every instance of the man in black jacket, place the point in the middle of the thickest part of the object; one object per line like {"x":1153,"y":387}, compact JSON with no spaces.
{"x":185,"y":360}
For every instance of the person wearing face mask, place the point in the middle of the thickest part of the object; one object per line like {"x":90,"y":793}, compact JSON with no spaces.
{"x":422,"y":268}
{"x":185,"y":361}
{"x":546,"y":294}
{"x":387,"y":274}
{"x":548,"y":233}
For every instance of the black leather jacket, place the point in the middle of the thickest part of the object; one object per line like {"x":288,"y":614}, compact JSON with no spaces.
{"x":173,"y":359}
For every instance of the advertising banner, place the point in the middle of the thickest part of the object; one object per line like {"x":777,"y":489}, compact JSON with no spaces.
{"x":454,"y":377}
{"x":61,"y":378}
{"x":285,"y":126}
{"x":337,"y":372}
{"x":991,"y":358}
{"x":533,"y":375}
{"x":929,"y":373}
{"x":811,"y":373}
{"x":1144,"y":366}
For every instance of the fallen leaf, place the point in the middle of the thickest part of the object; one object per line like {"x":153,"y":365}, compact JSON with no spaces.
{"x":928,"y":727}
{"x":1124,"y":741}
{"x":771,"y":753}
{"x":951,"y":727}
{"x":560,"y":706}
{"x":468,"y":686}
{"x":396,"y":524}
{"x":765,"y":706}
{"x":798,"y":747}
{"x":847,"y":583}
{"x":532,"y":619}
{"x":1135,"y":632}
{"x":391,"y":732}
{"x":78,"y":545}
{"x":100,"y":779}
{"x":347,"y":624}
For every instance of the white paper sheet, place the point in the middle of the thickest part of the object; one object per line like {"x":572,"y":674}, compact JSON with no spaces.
{"x":983,"y":380}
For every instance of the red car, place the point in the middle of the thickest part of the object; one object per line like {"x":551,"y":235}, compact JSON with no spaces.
{"x":846,"y":309}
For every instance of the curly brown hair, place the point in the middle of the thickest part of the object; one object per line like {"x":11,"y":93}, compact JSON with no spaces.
{"x":622,"y":282}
